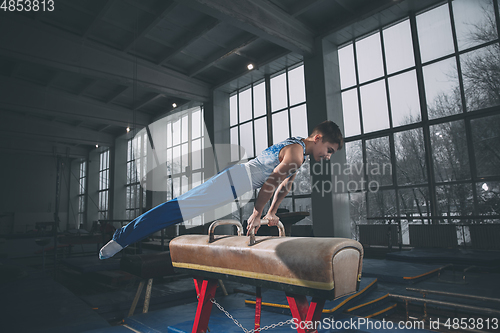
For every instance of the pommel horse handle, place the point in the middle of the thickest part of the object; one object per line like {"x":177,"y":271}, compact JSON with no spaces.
{"x":214,"y":224}
{"x":280,"y":226}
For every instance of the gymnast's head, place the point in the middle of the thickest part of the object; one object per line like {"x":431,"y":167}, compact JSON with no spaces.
{"x":327,"y":139}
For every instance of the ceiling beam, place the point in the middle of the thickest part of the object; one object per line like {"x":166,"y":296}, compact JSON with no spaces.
{"x":262,"y":19}
{"x":357,"y":14}
{"x":116,"y":94}
{"x":41,"y":44}
{"x":22,"y":96}
{"x":147,"y":101}
{"x":16,"y":145}
{"x":39,"y":129}
{"x":303,"y":6}
{"x":190,"y":38}
{"x":90,"y":83}
{"x":14,"y":69}
{"x":344,"y":4}
{"x":234,"y":47}
{"x":103,"y":127}
{"x":105,"y":5}
{"x":262,"y":63}
{"x":167,"y":7}
{"x":51,"y":78}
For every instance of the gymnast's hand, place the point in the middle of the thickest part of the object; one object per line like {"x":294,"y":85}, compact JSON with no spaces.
{"x":253,"y":222}
{"x":272,"y":218}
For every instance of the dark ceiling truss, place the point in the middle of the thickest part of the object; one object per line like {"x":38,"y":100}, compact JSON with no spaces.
{"x":21,"y":145}
{"x":114,"y":95}
{"x":103,"y":128}
{"x":189,"y":38}
{"x":147,"y":101}
{"x":262,"y":19}
{"x":300,"y":7}
{"x":168,"y":6}
{"x":146,"y":27}
{"x":46,"y":130}
{"x":106,"y":5}
{"x":234,"y":47}
{"x":95,"y":67}
{"x":14,"y":69}
{"x":86,"y":86}
{"x":95,"y":61}
{"x":36,"y":99}
{"x":50,"y":79}
{"x":345,"y":4}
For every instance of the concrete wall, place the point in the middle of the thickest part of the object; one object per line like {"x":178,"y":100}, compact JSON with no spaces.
{"x":28,"y":191}
{"x":120,"y":178}
{"x":73,"y":194}
{"x":322,"y":77}
{"x":92,"y":188}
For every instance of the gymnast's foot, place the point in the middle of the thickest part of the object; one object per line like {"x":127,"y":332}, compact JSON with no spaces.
{"x":109,"y":250}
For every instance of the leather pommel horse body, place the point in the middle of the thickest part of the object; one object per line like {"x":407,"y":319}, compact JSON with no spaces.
{"x":324,"y":268}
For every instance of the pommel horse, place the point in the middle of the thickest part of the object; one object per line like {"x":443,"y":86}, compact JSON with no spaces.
{"x":324,"y":268}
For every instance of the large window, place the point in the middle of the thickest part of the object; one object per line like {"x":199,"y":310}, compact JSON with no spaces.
{"x":136,"y":170}
{"x":103,"y":207}
{"x":166,"y":157}
{"x":423,"y":95}
{"x":251,"y":120}
{"x":82,"y":192}
{"x":184,"y":154}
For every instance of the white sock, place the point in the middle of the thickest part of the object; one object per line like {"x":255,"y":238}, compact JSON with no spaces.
{"x":109,"y":250}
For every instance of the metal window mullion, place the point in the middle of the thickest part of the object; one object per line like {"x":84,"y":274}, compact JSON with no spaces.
{"x":391,"y":135}
{"x":85,"y":203}
{"x":289,"y":124}
{"x":363,"y":140}
{"x":238,"y":123}
{"x":288,"y":103}
{"x":269,"y":111}
{"x":190,"y":150}
{"x":402,"y":71}
{"x":384,"y":64}
{"x":497,"y":16}
{"x":253,"y":122}
{"x":357,"y":87}
{"x":468,"y":131}
{"x":424,"y":113}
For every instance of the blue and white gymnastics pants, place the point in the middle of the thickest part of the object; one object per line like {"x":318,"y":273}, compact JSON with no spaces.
{"x":218,"y":191}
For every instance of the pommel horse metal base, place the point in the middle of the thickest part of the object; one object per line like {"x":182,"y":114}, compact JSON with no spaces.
{"x":324,"y":268}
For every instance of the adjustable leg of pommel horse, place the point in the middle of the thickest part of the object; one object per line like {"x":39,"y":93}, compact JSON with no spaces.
{"x":205,"y":290}
{"x":305,"y":313}
{"x":258,"y":306}
{"x":302,"y":311}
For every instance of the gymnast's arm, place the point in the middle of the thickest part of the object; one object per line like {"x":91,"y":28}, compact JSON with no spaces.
{"x":279,"y":195}
{"x":292,"y":159}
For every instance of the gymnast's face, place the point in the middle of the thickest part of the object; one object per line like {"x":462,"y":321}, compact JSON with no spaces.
{"x":323,"y":150}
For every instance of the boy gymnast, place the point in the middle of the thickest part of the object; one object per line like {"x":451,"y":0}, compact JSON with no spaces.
{"x":273,"y":171}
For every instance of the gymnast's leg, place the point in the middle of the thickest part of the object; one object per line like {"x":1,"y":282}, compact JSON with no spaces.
{"x":215,"y":192}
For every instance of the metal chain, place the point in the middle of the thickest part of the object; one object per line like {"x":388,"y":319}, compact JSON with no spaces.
{"x":237,"y":323}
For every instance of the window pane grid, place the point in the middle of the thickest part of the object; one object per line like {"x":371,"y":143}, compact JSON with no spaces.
{"x":439,"y":181}
{"x":288,"y":112}
{"x":103,"y":206}
{"x":82,"y":193}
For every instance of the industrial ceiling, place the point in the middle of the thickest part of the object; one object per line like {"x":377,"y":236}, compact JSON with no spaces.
{"x":79,"y":75}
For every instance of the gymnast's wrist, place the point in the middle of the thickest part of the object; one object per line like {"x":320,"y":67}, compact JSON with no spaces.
{"x":272,"y":211}
{"x":257,"y":212}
